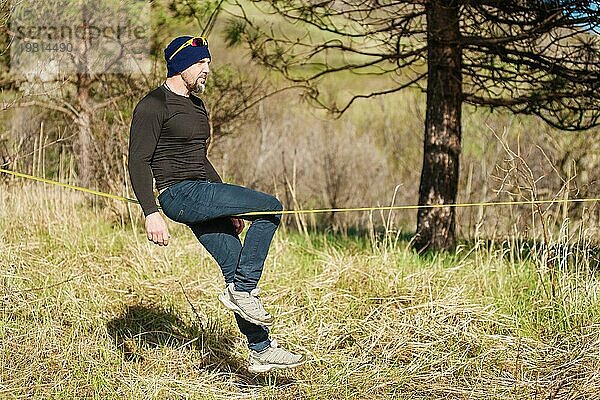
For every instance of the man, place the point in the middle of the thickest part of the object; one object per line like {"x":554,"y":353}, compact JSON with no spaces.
{"x":168,"y":135}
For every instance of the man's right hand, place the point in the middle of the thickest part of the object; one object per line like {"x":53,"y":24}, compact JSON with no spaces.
{"x":156,"y":229}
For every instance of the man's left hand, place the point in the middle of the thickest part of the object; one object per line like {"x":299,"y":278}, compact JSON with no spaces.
{"x":238,"y":223}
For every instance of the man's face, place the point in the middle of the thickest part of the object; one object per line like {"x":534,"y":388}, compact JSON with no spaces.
{"x":195,"y":75}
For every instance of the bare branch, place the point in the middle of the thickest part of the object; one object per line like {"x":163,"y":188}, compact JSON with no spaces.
{"x":49,"y":106}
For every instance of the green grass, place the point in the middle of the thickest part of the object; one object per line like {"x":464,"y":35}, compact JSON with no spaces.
{"x":90,"y":309}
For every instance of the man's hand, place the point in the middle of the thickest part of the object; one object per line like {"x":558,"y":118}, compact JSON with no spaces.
{"x":156,"y":229}
{"x":238,"y":223}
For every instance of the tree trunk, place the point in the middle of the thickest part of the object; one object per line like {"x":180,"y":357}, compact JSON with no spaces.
{"x":439,"y":177}
{"x":84,"y":137}
{"x":84,"y":147}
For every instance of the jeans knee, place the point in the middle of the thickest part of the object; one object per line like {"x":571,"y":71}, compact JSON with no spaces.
{"x":276,"y":206}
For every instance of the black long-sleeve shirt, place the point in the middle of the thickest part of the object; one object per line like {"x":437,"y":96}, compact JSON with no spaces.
{"x":167,"y":140}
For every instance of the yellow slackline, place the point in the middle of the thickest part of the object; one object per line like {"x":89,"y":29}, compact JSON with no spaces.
{"x":404,"y":207}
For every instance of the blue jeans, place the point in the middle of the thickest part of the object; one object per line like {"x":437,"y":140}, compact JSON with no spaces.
{"x":206,"y":207}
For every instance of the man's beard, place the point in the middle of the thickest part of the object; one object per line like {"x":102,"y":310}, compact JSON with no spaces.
{"x":196,"y":86}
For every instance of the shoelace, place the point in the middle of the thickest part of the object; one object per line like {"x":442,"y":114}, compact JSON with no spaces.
{"x":256,"y":303}
{"x":254,"y":293}
{"x":279,"y":355}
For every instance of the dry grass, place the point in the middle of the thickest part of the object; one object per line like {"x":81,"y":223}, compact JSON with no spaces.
{"x":91,"y":310}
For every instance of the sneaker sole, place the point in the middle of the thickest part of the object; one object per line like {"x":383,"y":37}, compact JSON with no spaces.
{"x":258,"y":369}
{"x":228,"y":304}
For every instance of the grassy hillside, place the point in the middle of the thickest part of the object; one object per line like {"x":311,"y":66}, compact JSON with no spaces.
{"x":90,"y":309}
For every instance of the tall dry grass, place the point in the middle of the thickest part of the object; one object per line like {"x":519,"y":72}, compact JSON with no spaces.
{"x":90,"y":309}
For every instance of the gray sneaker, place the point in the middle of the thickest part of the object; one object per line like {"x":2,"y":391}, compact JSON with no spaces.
{"x":273,"y":357}
{"x":247,"y":305}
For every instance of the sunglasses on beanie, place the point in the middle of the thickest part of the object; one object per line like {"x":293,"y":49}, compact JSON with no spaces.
{"x":194,"y":42}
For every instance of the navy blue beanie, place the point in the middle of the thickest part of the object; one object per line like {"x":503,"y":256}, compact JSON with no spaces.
{"x":185,"y":57}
